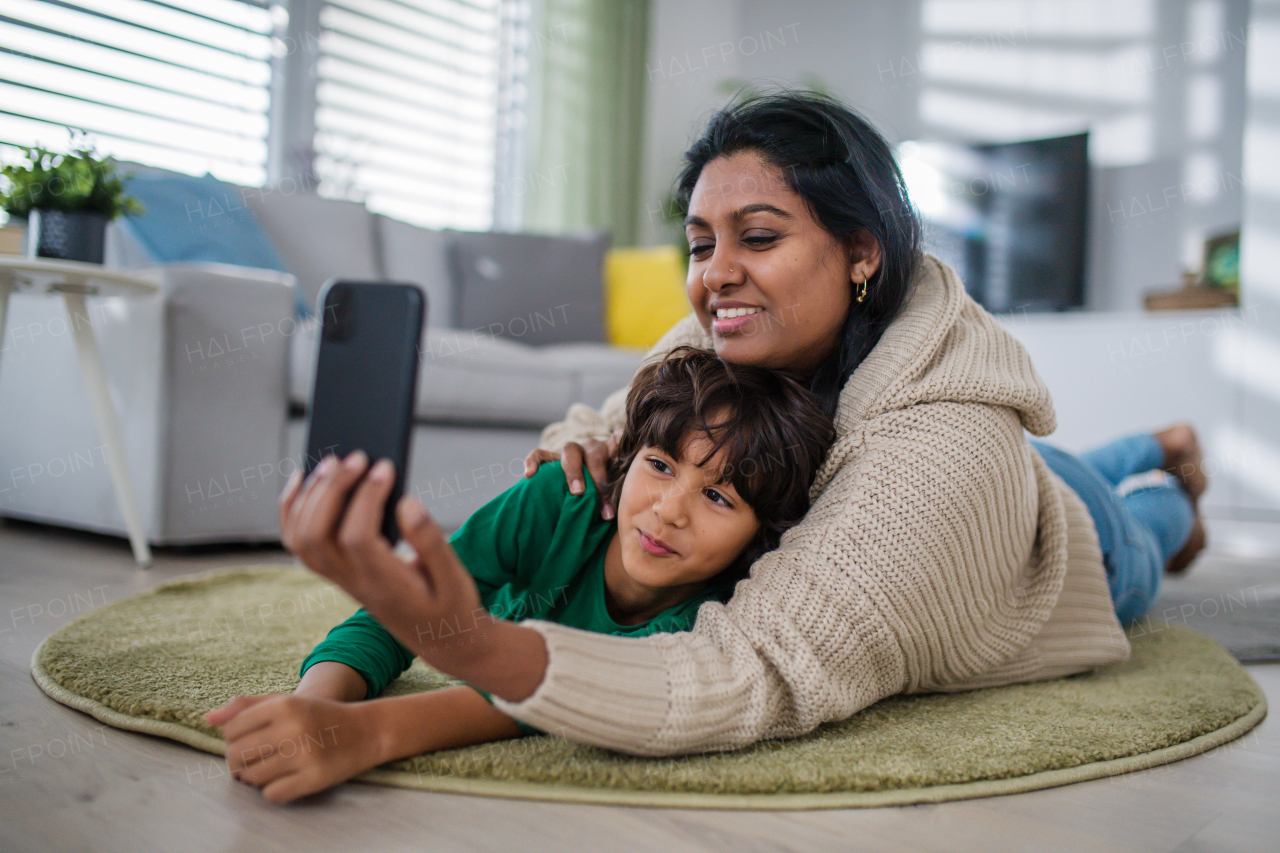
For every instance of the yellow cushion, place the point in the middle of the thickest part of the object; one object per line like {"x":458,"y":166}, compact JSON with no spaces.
{"x":643,"y":294}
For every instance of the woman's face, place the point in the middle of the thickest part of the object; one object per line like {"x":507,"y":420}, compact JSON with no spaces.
{"x":755,"y":246}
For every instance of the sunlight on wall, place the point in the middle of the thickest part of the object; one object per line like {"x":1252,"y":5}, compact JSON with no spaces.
{"x":1253,"y":459}
{"x":1204,"y":107}
{"x":1262,"y":173}
{"x":1260,"y":240}
{"x":1002,"y":70}
{"x":1252,"y":360}
{"x":1166,"y":90}
{"x":1259,"y":361}
{"x":1206,"y":39}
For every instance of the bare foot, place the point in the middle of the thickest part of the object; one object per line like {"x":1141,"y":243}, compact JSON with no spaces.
{"x":1183,"y":459}
{"x":1179,"y":562}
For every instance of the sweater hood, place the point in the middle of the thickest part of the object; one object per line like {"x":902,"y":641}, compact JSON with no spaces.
{"x":944,"y":347}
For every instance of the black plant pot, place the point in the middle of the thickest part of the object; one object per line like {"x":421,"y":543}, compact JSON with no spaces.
{"x":78,"y":236}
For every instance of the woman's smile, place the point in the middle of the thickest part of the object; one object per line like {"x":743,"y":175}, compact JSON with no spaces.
{"x":728,"y":325}
{"x":730,"y":315}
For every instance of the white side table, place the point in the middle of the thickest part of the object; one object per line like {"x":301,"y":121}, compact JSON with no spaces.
{"x":75,"y":281}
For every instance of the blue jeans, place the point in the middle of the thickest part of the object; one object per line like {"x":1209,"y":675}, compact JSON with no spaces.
{"x":1138,"y":531}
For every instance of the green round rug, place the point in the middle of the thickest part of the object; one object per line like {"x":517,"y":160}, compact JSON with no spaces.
{"x":156,"y":662}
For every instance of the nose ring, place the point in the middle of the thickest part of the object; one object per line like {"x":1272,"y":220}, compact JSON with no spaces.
{"x":704,"y":279}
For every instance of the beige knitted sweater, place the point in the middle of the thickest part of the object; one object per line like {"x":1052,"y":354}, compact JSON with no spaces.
{"x":940,"y":553}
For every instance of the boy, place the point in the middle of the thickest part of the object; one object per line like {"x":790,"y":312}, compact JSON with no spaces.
{"x":715,"y":462}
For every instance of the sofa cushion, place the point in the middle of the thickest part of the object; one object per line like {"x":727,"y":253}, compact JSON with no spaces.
{"x":188,"y":218}
{"x":465,"y":377}
{"x":598,"y":370}
{"x":531,"y":288}
{"x":644,"y":294}
{"x":320,"y":238}
{"x":420,"y":256}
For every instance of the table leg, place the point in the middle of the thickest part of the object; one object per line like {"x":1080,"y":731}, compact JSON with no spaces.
{"x":108,"y":424}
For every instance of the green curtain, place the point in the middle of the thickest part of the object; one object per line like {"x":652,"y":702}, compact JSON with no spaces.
{"x":583,"y":141}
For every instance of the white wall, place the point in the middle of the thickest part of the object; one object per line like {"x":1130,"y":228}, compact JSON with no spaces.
{"x":1259,"y":373}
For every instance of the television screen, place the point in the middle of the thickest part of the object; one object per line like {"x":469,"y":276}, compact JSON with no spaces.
{"x":1010,"y":218}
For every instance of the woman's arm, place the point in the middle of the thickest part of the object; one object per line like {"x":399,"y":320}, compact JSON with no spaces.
{"x":928,"y":559}
{"x":501,"y":542}
{"x":428,"y":602}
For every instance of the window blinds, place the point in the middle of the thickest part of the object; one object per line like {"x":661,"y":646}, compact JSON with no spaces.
{"x":181,"y":84}
{"x":408,"y":101}
{"x":418,"y":104}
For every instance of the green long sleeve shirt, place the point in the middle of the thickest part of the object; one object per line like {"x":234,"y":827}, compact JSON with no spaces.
{"x":536,"y":551}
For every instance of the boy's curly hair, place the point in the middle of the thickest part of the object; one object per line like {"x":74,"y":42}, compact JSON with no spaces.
{"x":773,"y":431}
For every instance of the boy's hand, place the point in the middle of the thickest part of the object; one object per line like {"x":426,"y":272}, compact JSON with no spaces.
{"x":420,"y":599}
{"x":291,"y":746}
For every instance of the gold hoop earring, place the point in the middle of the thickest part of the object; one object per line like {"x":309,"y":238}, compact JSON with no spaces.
{"x":862,"y":290}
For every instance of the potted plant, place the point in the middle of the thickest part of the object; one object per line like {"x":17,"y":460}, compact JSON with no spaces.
{"x":67,"y":200}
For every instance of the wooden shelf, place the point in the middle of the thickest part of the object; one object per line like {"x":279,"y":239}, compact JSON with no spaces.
{"x":1190,"y":299}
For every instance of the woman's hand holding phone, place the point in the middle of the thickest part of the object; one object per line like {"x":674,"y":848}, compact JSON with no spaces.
{"x":347,"y":547}
{"x":418,"y":599}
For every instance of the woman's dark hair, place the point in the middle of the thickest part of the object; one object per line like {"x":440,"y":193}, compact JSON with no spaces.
{"x":773,"y":431}
{"x":845,"y":171}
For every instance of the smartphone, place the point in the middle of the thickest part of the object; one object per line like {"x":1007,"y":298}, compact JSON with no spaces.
{"x":367,"y":378}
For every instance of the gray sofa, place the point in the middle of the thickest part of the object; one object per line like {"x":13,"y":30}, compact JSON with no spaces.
{"x":211,"y":377}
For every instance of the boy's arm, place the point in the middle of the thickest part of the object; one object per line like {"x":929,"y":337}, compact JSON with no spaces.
{"x":354,"y":736}
{"x":331,"y":679}
{"x":437,"y":719}
{"x":364,"y":646}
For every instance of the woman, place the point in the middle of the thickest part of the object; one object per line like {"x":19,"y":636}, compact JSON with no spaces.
{"x":942,"y":551}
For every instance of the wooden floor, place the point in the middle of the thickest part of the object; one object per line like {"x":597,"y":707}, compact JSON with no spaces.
{"x":67,"y":782}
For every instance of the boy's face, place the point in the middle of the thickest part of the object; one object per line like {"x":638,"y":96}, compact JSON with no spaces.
{"x":676,"y":525}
